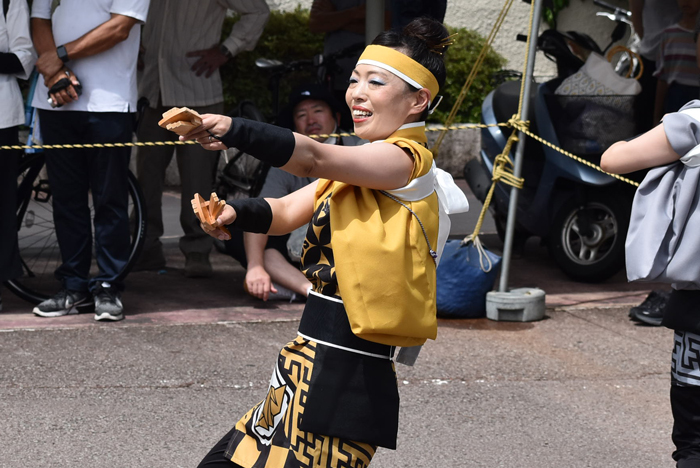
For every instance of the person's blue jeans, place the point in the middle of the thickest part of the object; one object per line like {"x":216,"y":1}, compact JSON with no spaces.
{"x":76,"y":174}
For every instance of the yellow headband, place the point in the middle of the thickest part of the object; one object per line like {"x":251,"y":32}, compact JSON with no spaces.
{"x":400,"y":65}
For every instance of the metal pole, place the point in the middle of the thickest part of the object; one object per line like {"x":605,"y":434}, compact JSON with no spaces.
{"x":374,"y":19}
{"x":517,"y":170}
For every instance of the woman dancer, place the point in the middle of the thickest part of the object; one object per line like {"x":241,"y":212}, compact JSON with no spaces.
{"x":376,"y":227}
{"x":673,"y":140}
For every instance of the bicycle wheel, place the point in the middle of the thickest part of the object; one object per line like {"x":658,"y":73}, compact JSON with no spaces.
{"x":243,"y":175}
{"x":37,"y":235}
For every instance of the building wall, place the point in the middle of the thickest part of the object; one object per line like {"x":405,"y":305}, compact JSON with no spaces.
{"x":460,"y":146}
{"x":482,"y":14}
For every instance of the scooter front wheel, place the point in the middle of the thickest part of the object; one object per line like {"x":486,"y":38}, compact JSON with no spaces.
{"x":587,"y":240}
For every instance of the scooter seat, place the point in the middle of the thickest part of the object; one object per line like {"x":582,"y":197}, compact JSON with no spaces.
{"x":506,"y":99}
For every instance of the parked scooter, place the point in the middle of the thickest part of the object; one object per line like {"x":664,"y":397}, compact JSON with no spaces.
{"x":580,"y":213}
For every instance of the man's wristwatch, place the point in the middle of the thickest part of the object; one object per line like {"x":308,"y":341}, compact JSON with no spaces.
{"x":62,"y":54}
{"x":224,"y":50}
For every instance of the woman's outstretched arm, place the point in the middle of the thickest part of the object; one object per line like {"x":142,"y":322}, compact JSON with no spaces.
{"x":378,"y":166}
{"x":647,"y":150}
{"x":288,"y":213}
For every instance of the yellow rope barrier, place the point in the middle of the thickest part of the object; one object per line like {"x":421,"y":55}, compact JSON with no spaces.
{"x":503,"y":166}
{"x":502,"y":172}
{"x":512,"y":123}
{"x":579,"y":159}
{"x":192,"y":142}
{"x":472,"y":75}
{"x":98,"y":145}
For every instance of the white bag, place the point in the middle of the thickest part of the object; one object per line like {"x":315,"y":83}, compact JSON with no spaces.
{"x":598,"y":78}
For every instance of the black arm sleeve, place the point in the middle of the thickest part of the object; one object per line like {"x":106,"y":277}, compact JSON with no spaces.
{"x":10,"y":64}
{"x":268,"y":143}
{"x":252,"y":215}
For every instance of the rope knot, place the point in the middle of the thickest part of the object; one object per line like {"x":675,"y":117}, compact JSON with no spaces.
{"x":518,"y":124}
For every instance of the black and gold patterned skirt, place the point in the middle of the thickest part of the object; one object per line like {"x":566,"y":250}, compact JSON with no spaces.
{"x":331,"y":401}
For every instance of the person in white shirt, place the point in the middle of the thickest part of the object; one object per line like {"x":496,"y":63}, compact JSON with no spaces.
{"x":182,"y":56}
{"x":650,"y":18}
{"x":17,"y":59}
{"x":92,"y":45}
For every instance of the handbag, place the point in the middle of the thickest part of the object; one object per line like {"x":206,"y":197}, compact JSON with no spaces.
{"x":598,"y":78}
{"x":662,"y":241}
{"x":594,"y":108}
{"x":467,"y":271}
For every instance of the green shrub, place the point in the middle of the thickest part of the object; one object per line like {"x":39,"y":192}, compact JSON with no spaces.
{"x":459,"y":60}
{"x":287,"y":38}
{"x":551,"y":11}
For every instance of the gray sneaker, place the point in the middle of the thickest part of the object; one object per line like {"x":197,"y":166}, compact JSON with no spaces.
{"x":108,"y":304}
{"x":64,"y":303}
{"x":282,"y":294}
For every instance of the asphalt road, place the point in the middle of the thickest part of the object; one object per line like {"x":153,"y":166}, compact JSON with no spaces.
{"x":582,"y":388}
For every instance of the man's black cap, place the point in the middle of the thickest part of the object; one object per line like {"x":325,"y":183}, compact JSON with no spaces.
{"x":302,"y":93}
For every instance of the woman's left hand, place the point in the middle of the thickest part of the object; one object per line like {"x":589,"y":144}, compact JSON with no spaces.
{"x":213,"y":125}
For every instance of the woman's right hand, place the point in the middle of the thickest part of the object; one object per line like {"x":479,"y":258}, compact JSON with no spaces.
{"x":227,"y":216}
{"x":213,"y":126}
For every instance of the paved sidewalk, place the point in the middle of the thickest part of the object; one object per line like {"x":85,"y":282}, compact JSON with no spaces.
{"x":169,"y":297}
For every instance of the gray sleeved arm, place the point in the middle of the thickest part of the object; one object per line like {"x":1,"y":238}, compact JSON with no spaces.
{"x":683,"y":129}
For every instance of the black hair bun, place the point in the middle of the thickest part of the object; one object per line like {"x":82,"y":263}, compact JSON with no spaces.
{"x":429,"y":31}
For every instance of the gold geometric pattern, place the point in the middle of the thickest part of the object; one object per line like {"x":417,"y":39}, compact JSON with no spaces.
{"x":289,"y":446}
{"x":317,"y":262}
{"x":272,"y":406}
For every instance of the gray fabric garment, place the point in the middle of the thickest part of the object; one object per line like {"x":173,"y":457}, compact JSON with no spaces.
{"x":197,"y":168}
{"x":682,"y":130}
{"x":176,"y":27}
{"x":657,"y":15}
{"x":665,"y":208}
{"x":279,"y":183}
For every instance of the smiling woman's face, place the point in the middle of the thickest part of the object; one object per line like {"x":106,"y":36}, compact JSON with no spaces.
{"x":380,"y":102}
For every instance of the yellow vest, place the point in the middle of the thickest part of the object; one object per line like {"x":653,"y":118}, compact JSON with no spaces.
{"x":385,"y":273}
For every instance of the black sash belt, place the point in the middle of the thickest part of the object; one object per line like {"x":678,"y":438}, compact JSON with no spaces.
{"x":352,"y":391}
{"x":325,"y":321}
